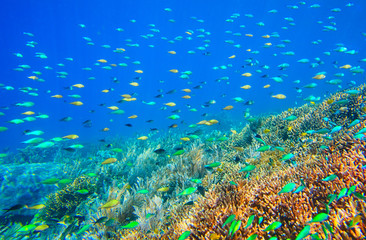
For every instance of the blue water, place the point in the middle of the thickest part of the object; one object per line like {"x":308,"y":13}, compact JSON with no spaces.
{"x":56,"y":30}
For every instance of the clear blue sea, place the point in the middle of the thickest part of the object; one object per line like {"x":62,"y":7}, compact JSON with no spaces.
{"x":57,"y":32}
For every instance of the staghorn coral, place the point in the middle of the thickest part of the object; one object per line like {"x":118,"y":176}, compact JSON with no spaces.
{"x":259,"y":197}
{"x":66,"y":200}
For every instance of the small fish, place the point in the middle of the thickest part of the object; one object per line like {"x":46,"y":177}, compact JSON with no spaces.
{"x":101,"y":220}
{"x":110,"y":204}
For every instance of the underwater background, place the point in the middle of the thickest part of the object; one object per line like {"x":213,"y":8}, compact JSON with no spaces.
{"x":182,"y":119}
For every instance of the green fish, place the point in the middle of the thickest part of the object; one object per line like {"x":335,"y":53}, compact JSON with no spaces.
{"x":16,"y":121}
{"x":260,"y":140}
{"x":229,"y":220}
{"x":116,"y":150}
{"x":174,"y":117}
{"x":198,"y":181}
{"x":252,"y":237}
{"x":143,"y":191}
{"x":118,"y":112}
{"x":50,"y":181}
{"x":250,"y":221}
{"x":222,"y":139}
{"x":25,"y":104}
{"x":27,"y":228}
{"x":184,"y":235}
{"x":45,"y":145}
{"x":287,"y":188}
{"x":42,"y":116}
{"x":264,"y":148}
{"x":188,"y":191}
{"x":34,"y":141}
{"x":76,"y":146}
{"x":248,"y":168}
{"x":83,"y":229}
{"x":65,"y":181}
{"x":179,"y":152}
{"x":273,"y":226}
{"x":213,"y":165}
{"x":131,"y":225}
{"x":287,"y":157}
{"x":36,"y":133}
{"x":304,"y":233}
{"x":82,"y":191}
{"x":291,"y":118}
{"x":329,"y":178}
{"x":29,"y":119}
{"x":91,"y":174}
{"x":319,"y":218}
{"x":193,"y":136}
{"x":235,"y":226}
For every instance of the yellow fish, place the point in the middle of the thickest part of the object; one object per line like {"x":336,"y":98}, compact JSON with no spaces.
{"x":105,"y":129}
{"x":186,"y":97}
{"x":186,"y":90}
{"x":213,"y":121}
{"x":36,"y":207}
{"x":113,"y":65}
{"x":266,"y":86}
{"x":142,"y":138}
{"x":233,"y":131}
{"x":239,"y":149}
{"x":109,"y":161}
{"x":133,"y":117}
{"x":232,"y":56}
{"x":41,"y":228}
{"x":71,"y":136}
{"x":57,"y":96}
{"x":172,"y":52}
{"x":135,"y":84}
{"x":129,"y":99}
{"x":113,"y":108}
{"x":79,"y":85}
{"x":77,"y":103}
{"x":249,"y":35}
{"x":279,"y":96}
{"x":138,"y":71}
{"x":102,"y":60}
{"x":330,"y":101}
{"x":105,"y":91}
{"x":246,"y":87}
{"x":201,"y":122}
{"x":248,"y":50}
{"x":228,"y":107}
{"x":173,"y":70}
{"x":266,"y":131}
{"x":289,"y":128}
{"x":268,"y":44}
{"x":126,"y":96}
{"x":303,"y":134}
{"x":347,"y":66}
{"x":186,"y":139}
{"x":319,"y":76}
{"x":110,"y":204}
{"x":247,"y":74}
{"x":28,"y":113}
{"x":214,"y":236}
{"x":163,"y":189}
{"x":189,"y":33}
{"x":266,"y":36}
{"x":170,"y":104}
{"x":33,"y":77}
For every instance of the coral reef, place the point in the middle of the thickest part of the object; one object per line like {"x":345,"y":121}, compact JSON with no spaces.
{"x":66,"y":200}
